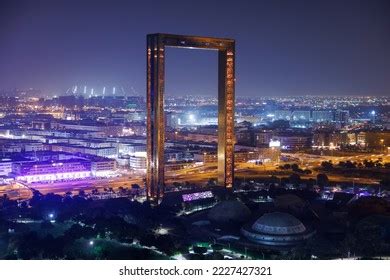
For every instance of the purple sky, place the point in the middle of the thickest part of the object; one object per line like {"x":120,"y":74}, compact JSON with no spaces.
{"x":283,"y":47}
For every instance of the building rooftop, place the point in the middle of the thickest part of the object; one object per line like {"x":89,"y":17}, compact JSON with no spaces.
{"x":229,"y":211}
{"x":278,"y":223}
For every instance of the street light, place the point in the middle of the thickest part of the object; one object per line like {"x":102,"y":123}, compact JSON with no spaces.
{"x":161,"y":231}
{"x":51,"y":217}
{"x":383,"y":146}
{"x":91,"y":243}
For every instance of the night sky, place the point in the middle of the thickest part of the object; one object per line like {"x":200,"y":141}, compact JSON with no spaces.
{"x":283,"y":47}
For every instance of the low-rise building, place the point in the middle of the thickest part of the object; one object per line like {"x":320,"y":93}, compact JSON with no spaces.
{"x":138,"y":161}
{"x":52,"y":171}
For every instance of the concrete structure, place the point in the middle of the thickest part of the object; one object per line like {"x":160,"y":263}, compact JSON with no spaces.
{"x":323,"y":116}
{"x":257,"y":154}
{"x":263,"y":137}
{"x":20,"y":145}
{"x":329,"y":139}
{"x":109,"y":152}
{"x":66,"y":169}
{"x":104,"y":128}
{"x":5,"y":166}
{"x":293,"y":141}
{"x":301,"y":116}
{"x":137,"y":161}
{"x":156,"y":44}
{"x":52,"y":171}
{"x":101,"y":167}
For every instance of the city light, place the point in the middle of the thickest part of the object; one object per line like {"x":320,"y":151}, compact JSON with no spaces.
{"x":197,"y":196}
{"x":162,"y":231}
{"x":191,"y":118}
{"x":274,"y":143}
{"x":283,"y":166}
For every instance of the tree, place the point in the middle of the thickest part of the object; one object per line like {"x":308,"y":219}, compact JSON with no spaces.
{"x":348,"y":245}
{"x":294,"y":167}
{"x":368,"y":163}
{"x":273,"y":180}
{"x":347,"y":164}
{"x":369,"y":239}
{"x":310,"y":184}
{"x":52,"y":248}
{"x":148,"y":240}
{"x":280,"y":124}
{"x":6,"y":202}
{"x":217,"y":247}
{"x":200,"y":250}
{"x":286,"y":166}
{"x":211,"y":182}
{"x":166,"y":244}
{"x":76,"y":231}
{"x":378,"y":164}
{"x":327,"y":165}
{"x":385,"y":184}
{"x":322,"y":180}
{"x":29,"y":246}
{"x":367,"y":206}
{"x":46,"y":225}
{"x":295,"y":179}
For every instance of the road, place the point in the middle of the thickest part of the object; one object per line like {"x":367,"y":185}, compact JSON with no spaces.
{"x":199,"y":175}
{"x":86,"y":185}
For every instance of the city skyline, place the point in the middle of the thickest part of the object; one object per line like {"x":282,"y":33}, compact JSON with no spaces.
{"x":321,"y":48}
{"x":113,"y":149}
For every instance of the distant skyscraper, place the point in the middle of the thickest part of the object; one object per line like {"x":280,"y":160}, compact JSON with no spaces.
{"x":323,"y":116}
{"x":373,"y":116}
{"x":342,"y":116}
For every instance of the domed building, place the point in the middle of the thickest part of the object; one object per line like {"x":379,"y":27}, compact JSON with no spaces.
{"x":278,"y":229}
{"x":229,"y":211}
{"x":289,"y":202}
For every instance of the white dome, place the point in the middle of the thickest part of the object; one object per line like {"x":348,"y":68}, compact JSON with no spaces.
{"x":278,"y":223}
{"x":277,"y":229}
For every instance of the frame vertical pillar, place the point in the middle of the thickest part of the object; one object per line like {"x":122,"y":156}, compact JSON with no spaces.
{"x":155,"y":117}
{"x":226,"y":82}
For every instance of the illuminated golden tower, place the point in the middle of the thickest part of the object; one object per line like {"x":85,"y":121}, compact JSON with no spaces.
{"x":155,"y":64}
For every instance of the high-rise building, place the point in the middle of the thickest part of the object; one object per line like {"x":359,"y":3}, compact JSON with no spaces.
{"x":342,"y":116}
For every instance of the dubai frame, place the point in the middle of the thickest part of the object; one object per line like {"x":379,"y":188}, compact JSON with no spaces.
{"x":156,"y":44}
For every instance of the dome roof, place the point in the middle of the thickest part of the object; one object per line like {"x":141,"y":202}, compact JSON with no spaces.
{"x":278,"y":223}
{"x":229,"y":211}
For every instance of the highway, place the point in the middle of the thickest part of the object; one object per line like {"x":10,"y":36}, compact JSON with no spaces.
{"x":86,"y":185}
{"x":200,"y":175}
